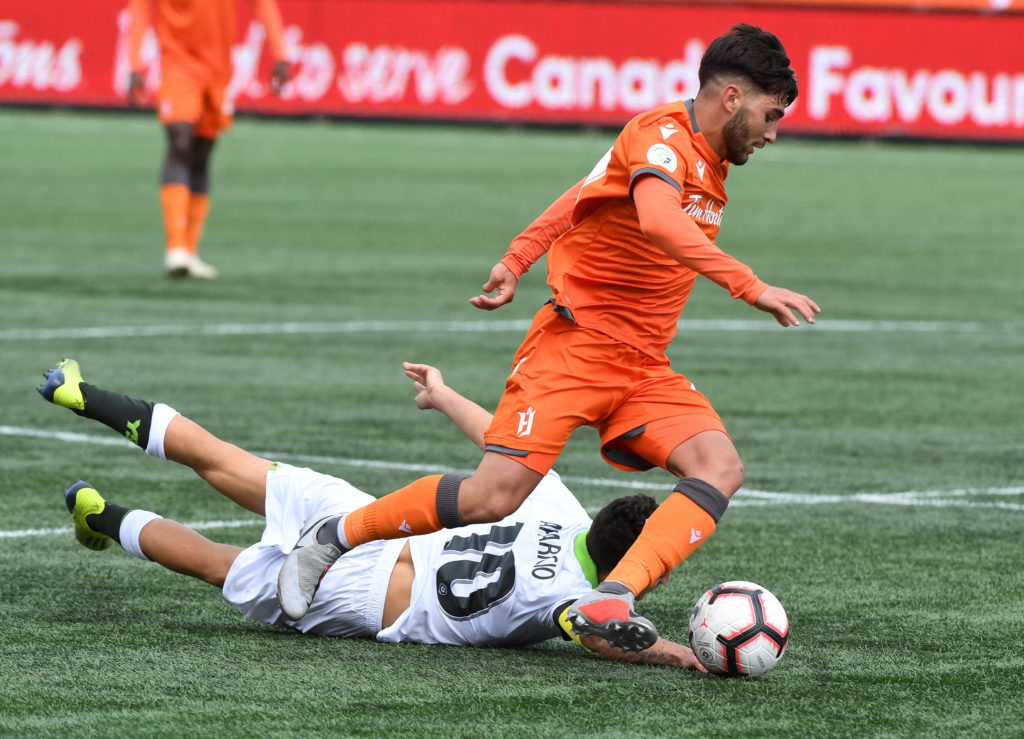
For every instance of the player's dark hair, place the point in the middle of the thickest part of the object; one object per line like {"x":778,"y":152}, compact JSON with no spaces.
{"x":616,"y":527}
{"x":753,"y":54}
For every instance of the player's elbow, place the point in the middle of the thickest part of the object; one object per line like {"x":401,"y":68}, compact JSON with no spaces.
{"x":656,"y":229}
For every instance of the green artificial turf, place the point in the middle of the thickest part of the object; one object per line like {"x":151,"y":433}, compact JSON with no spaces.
{"x":884,"y":447}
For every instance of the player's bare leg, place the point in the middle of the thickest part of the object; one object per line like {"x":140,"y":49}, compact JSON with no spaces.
{"x":145,"y":535}
{"x":230,"y":470}
{"x":496,"y":489}
{"x":163,"y":433}
{"x":183,"y":550}
{"x":709,"y":456}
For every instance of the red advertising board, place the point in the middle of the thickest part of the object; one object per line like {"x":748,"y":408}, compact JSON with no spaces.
{"x":874,"y":72}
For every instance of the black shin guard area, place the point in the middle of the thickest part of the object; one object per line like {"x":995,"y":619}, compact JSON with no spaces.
{"x":108,"y":521}
{"x":448,"y":500}
{"x":129,"y":417}
{"x":704,"y":494}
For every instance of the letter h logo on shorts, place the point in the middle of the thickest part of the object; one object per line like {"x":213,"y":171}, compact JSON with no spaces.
{"x":525,"y":422}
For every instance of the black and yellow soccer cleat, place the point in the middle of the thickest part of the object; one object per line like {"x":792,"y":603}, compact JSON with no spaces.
{"x":83,"y":500}
{"x":63,"y":385}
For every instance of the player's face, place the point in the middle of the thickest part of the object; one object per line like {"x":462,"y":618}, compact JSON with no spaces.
{"x":754,"y":124}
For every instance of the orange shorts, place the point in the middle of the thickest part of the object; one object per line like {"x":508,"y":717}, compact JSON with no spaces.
{"x":203,"y":104}
{"x":564,"y":377}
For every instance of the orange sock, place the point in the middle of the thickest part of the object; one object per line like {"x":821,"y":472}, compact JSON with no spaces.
{"x":198,"y":208}
{"x":174,"y":198}
{"x":406,"y":512}
{"x":671,"y":534}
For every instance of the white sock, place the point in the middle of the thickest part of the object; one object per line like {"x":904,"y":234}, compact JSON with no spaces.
{"x":341,"y":533}
{"x":131,"y":526}
{"x":162,"y":415}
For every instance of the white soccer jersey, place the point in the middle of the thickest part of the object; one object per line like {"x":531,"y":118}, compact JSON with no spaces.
{"x":497,"y":584}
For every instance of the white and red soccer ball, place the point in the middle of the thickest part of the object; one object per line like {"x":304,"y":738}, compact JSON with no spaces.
{"x":738,"y":628}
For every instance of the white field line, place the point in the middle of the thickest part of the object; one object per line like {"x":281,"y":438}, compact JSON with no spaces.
{"x":962,"y":498}
{"x":483,"y":326}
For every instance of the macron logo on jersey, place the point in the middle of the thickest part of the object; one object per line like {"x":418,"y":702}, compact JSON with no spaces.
{"x":695,"y":536}
{"x":699,"y":164}
{"x":667,"y":131}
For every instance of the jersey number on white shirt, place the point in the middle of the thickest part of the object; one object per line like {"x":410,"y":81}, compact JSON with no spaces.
{"x":475,"y":583}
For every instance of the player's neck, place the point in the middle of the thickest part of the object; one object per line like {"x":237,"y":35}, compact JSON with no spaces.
{"x":709,"y":119}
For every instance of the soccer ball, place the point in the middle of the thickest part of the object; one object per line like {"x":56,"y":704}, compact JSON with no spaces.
{"x":738,"y":628}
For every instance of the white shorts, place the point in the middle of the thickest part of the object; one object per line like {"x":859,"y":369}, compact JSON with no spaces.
{"x":350,"y":601}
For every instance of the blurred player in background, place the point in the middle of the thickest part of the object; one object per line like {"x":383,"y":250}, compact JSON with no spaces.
{"x":625,"y":246}
{"x":503,"y":585}
{"x":195,"y":37}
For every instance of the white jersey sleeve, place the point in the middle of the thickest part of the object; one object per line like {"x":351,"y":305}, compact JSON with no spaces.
{"x":497,"y":584}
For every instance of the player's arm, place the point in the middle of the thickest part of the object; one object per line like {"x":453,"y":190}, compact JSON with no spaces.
{"x":662,"y":652}
{"x":663,"y":221}
{"x":526,"y":249}
{"x":138,"y":22}
{"x":431,"y":392}
{"x":267,"y":13}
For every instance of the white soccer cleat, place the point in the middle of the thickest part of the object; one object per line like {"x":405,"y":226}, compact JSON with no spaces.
{"x":180,"y":262}
{"x":303,"y":569}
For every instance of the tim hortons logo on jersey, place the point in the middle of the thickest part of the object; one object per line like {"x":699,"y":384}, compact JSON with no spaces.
{"x":698,"y":210}
{"x":548,"y":549}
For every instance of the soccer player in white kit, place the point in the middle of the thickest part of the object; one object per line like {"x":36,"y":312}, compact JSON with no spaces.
{"x":507,"y":583}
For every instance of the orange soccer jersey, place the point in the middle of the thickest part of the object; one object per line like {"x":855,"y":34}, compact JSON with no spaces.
{"x":196,"y":36}
{"x":605,"y":273}
{"x":606,"y":366}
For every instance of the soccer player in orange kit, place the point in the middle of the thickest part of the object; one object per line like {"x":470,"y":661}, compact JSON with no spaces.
{"x":195,"y":59}
{"x":624,"y":246}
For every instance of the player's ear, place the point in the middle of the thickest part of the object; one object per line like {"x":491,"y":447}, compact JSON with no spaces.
{"x":732,"y":97}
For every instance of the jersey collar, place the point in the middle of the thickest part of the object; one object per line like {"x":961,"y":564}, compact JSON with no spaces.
{"x":586,"y":562}
{"x":693,"y":118}
{"x":698,"y":136}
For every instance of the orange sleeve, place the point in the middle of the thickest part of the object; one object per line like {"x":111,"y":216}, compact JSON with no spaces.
{"x":659,"y":207}
{"x":267,"y":13}
{"x":534,"y":242}
{"x":138,"y":22}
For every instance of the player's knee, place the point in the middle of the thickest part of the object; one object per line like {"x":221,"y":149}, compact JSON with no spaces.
{"x":179,"y":145}
{"x":480,"y":503}
{"x":733,"y":475}
{"x":725,"y":473}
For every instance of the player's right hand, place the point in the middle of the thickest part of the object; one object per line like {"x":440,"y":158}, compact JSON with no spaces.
{"x":503,"y":283}
{"x":426,"y":381}
{"x":136,"y":92}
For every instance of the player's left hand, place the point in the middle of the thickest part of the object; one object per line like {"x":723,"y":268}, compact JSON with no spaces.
{"x":426,"y":380}
{"x":502,"y":281}
{"x":279,"y":76}
{"x":782,"y":303}
{"x":662,"y":652}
